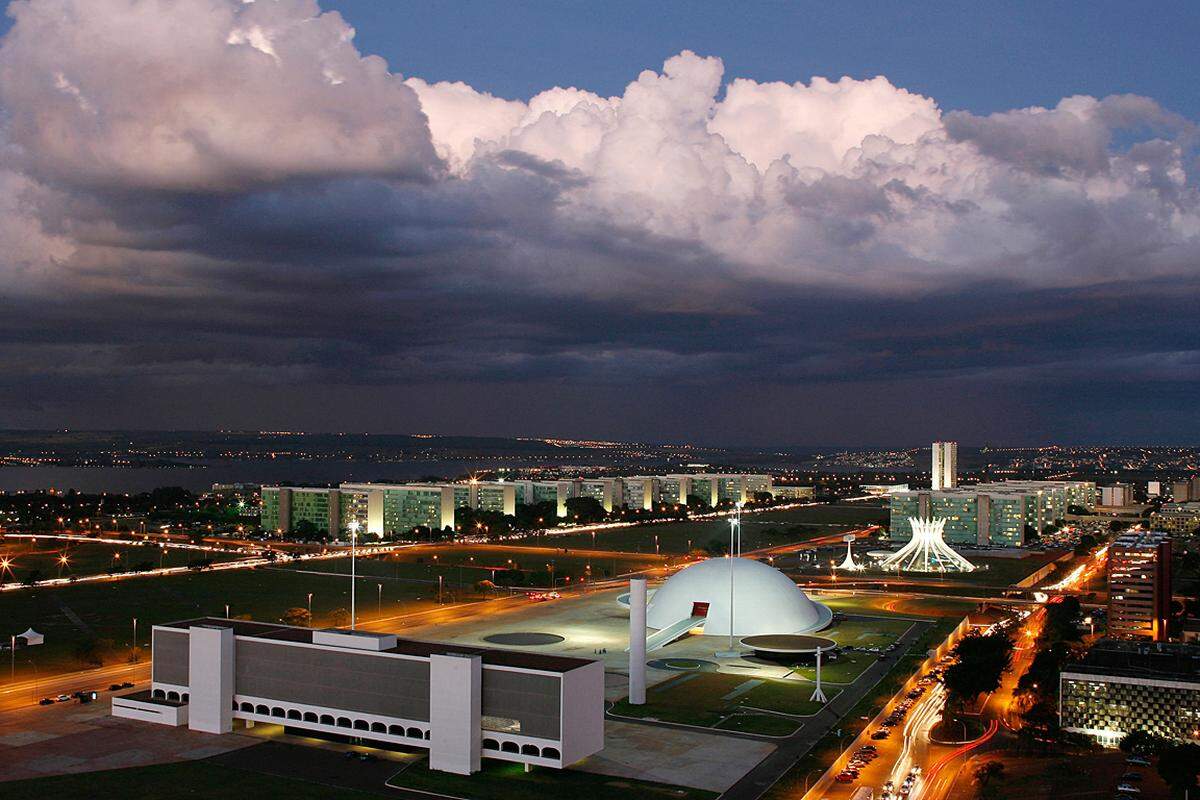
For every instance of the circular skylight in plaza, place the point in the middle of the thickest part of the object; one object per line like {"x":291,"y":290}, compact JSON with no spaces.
{"x":765,"y":601}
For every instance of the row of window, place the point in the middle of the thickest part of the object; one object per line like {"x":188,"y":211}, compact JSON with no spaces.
{"x":391,"y":730}
{"x":293,"y":715}
{"x":330,"y":720}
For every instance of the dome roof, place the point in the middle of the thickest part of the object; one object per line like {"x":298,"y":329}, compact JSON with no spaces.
{"x":765,"y":601}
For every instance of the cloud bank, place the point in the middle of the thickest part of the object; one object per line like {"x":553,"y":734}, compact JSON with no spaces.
{"x":217,"y":192}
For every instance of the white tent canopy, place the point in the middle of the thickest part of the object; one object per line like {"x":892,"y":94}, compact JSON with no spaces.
{"x":31,"y":637}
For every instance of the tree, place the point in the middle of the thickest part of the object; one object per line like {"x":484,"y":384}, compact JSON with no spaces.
{"x":1062,"y":620}
{"x":585,"y":509}
{"x":1179,"y":765}
{"x":1141,"y":743}
{"x":987,"y":776}
{"x":340,"y":618}
{"x":297,"y":616}
{"x":981,"y":662}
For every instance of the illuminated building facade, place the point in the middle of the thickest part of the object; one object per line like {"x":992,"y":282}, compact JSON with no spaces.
{"x":1139,"y":586}
{"x":459,"y":703}
{"x":944,"y":469}
{"x":990,"y":513}
{"x":1127,"y":686}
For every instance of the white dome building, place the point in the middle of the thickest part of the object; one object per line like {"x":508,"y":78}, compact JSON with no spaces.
{"x":765,"y":600}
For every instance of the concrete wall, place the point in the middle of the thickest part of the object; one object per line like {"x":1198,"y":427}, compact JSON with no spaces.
{"x":455,"y":695}
{"x":582,"y":712}
{"x":210,"y":679}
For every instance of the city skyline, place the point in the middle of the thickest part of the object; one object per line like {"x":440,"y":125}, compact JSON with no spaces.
{"x":252,"y":221}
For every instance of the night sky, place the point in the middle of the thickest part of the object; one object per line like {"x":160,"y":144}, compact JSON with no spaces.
{"x":587,"y":220}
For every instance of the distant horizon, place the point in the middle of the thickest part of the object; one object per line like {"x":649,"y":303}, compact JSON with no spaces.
{"x":584,"y":439}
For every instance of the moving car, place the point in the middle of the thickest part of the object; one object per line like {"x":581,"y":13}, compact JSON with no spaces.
{"x":46,"y":701}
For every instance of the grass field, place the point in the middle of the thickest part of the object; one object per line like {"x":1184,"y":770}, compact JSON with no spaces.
{"x":194,"y":780}
{"x":504,"y":781}
{"x":758,"y":530}
{"x":71,"y":616}
{"x":469,"y":564}
{"x":87,"y":558}
{"x":711,"y":699}
{"x":858,"y":632}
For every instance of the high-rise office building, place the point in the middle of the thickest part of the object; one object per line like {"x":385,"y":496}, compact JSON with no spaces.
{"x":1000,"y":513}
{"x":1139,"y":586}
{"x":1116,"y":496}
{"x":945,"y":465}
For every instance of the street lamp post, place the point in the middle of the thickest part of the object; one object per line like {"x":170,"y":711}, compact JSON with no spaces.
{"x":354,"y":525}
{"x":135,"y":651}
{"x":379,"y":602}
{"x":310,"y":608}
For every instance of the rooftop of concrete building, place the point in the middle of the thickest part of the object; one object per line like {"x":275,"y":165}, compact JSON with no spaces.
{"x":1148,"y":539}
{"x":1013,"y":488}
{"x":1152,"y":661}
{"x":542,"y":662}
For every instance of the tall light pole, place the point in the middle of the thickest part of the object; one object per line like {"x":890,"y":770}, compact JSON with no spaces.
{"x":735,"y":542}
{"x":310,"y":608}
{"x":354,"y":525}
{"x":379,"y":601}
{"x":135,"y":652}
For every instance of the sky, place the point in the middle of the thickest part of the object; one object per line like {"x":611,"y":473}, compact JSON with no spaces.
{"x":764,"y":224}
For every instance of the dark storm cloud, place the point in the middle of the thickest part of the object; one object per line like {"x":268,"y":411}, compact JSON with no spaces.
{"x":254,"y":222}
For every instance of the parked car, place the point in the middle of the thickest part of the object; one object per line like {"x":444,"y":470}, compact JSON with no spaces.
{"x":63,"y":698}
{"x":46,"y":701}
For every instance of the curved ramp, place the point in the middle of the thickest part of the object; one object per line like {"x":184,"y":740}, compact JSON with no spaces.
{"x":664,"y":636}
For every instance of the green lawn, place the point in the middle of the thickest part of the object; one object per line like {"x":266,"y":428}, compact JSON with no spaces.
{"x":194,"y":780}
{"x":758,"y":530}
{"x":470,"y":564}
{"x":70,"y":616}
{"x":505,"y":781}
{"x":90,"y":558}
{"x":704,"y":699}
{"x":763,"y":724}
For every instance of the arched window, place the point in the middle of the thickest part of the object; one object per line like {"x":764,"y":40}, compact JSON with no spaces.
{"x":266,"y":712}
{"x":310,"y":716}
{"x":414,"y":733}
{"x":361,"y":725}
{"x":343,"y":722}
{"x":235,"y":705}
{"x":491,"y":744}
{"x":426,"y":734}
{"x":173,"y":696}
{"x":159,"y":694}
{"x":248,"y":708}
{"x":530,"y":750}
{"x":327,"y":719}
{"x":294,"y":714}
{"x":510,"y":747}
{"x":277,"y":712}
{"x":185,"y":697}
{"x":378,"y":727}
{"x":550,"y":752}
{"x":395,"y":730}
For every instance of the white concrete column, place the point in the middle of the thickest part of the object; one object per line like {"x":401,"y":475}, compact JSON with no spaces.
{"x":455,"y":707}
{"x":637,"y":641}
{"x":210,"y":679}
